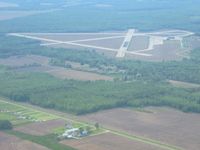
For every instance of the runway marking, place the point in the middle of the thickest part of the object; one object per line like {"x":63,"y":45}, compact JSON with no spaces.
{"x":125,"y":45}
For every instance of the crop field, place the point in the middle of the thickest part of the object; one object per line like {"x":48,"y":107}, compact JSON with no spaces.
{"x":163,"y":124}
{"x":184,"y":84}
{"x":41,"y":128}
{"x":107,"y":141}
{"x":9,"y":142}
{"x":18,"y":114}
{"x":19,"y":61}
{"x":23,"y":64}
{"x":152,"y":46}
{"x":79,"y":75}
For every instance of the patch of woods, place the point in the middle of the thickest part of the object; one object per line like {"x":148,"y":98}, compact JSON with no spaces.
{"x":82,"y":97}
{"x":5,"y":125}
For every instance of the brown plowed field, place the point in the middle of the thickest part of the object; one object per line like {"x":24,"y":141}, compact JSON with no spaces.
{"x":41,"y":128}
{"x":108,"y":141}
{"x":58,"y":72}
{"x":9,"y":142}
{"x":163,"y":124}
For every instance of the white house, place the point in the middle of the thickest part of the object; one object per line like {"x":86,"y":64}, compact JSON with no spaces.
{"x":71,"y":133}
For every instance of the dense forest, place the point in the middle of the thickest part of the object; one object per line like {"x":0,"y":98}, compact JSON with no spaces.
{"x":81,"y":97}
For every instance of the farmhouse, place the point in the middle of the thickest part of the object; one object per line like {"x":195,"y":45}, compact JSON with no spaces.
{"x":71,"y":133}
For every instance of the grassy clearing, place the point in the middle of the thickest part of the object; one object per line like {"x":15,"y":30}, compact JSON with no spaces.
{"x":20,"y":115}
{"x":59,"y":130}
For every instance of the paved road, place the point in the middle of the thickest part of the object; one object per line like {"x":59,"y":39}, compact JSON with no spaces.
{"x":125,"y":45}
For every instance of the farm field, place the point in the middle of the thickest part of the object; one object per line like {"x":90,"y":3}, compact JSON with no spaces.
{"x":99,"y":75}
{"x":55,"y":126}
{"x":107,"y":141}
{"x":164,"y":45}
{"x":163,"y":124}
{"x":41,"y":128}
{"x":34,"y":63}
{"x":79,"y":75}
{"x":183,"y":84}
{"x":10,"y":142}
{"x":19,"y":61}
{"x":38,"y":131}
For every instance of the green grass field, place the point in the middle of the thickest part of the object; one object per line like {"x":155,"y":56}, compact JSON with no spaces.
{"x":19,"y":114}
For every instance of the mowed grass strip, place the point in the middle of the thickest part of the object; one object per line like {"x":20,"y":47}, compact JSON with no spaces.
{"x":8,"y":108}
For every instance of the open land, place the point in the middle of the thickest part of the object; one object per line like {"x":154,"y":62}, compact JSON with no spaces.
{"x":151,"y":46}
{"x":41,"y":128}
{"x":139,"y":42}
{"x":112,"y":135}
{"x":163,"y":124}
{"x":10,"y":142}
{"x":107,"y":141}
{"x":36,"y":63}
{"x":183,"y":84}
